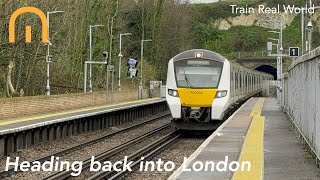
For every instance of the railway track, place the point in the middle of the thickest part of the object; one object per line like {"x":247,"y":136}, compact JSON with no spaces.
{"x":11,"y":171}
{"x":109,"y":153}
{"x":147,"y":152}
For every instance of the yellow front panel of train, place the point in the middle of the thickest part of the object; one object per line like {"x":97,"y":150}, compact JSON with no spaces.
{"x":196,"y":97}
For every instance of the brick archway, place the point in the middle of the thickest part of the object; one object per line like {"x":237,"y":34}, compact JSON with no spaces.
{"x":254,"y":63}
{"x":268,"y":69}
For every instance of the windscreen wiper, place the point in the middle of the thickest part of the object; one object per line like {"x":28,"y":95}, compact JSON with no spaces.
{"x":186,"y":79}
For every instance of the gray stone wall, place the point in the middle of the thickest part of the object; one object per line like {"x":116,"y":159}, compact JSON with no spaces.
{"x":302,"y":97}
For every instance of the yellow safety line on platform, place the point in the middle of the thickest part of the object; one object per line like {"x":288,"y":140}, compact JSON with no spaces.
{"x":3,"y":123}
{"x":252,"y":149}
{"x":256,"y":111}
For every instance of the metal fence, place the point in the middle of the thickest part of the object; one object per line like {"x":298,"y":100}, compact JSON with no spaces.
{"x":301,"y":97}
{"x":254,"y":54}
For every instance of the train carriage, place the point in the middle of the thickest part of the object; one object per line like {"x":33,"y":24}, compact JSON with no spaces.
{"x":204,"y":88}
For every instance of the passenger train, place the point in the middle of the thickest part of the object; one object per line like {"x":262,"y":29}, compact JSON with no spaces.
{"x":204,"y":88}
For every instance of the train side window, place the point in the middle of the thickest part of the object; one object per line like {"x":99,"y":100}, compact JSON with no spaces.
{"x":245,"y":81}
{"x":256,"y":82}
{"x":240,"y":84}
{"x":253,"y":81}
{"x":250,"y":82}
{"x":252,"y":78}
{"x":231,"y":76}
{"x":232,"y":84}
{"x":239,"y":80}
{"x":245,"y":84}
{"x":236,"y":79}
{"x":260,"y":81}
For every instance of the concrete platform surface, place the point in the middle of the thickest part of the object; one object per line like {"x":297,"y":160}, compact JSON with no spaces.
{"x":25,"y":123}
{"x":258,"y":132}
{"x":285,"y":157}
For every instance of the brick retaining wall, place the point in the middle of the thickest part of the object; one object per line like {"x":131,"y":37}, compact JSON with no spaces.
{"x":27,"y":106}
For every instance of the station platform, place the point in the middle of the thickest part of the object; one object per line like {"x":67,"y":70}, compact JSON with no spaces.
{"x":259,"y":133}
{"x":31,"y":122}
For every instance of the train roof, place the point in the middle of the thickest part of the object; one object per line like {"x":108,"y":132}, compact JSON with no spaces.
{"x":206,"y":54}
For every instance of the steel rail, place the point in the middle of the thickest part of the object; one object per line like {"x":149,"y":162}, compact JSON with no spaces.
{"x":85,"y":144}
{"x":108,"y":154}
{"x":147,"y":152}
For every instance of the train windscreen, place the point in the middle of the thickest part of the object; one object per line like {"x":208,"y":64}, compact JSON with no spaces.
{"x":196,"y":73}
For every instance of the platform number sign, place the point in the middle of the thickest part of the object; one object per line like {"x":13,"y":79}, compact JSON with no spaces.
{"x":294,"y":51}
{"x":49,"y":59}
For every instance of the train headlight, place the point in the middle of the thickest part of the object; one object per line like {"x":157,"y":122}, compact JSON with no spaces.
{"x":173,"y":93}
{"x":221,"y":94}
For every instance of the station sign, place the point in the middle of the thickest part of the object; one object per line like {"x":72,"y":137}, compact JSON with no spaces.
{"x":49,"y":58}
{"x":132,"y":62}
{"x":294,"y":51}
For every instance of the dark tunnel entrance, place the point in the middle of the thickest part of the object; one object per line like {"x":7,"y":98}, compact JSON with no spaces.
{"x":268,"y":69}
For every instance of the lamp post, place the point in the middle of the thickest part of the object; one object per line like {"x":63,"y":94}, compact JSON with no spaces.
{"x":120,"y":58}
{"x":141,"y":67}
{"x":90,"y":56}
{"x":307,"y":45}
{"x":142,"y":51}
{"x":49,"y":58}
{"x":309,"y":30}
{"x":303,"y":29}
{"x":277,"y":45}
{"x":279,"y":62}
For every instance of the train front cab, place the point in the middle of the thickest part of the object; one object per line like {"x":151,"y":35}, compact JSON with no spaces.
{"x":198,"y":92}
{"x":197,"y":107}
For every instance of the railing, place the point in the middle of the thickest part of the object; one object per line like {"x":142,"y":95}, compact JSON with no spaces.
{"x":238,"y":55}
{"x":255,"y":54}
{"x":301,"y":97}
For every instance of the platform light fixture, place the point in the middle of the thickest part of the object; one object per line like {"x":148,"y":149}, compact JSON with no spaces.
{"x":90,"y":55}
{"x":49,"y":57}
{"x":120,"y":58}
